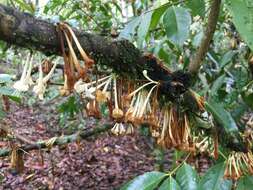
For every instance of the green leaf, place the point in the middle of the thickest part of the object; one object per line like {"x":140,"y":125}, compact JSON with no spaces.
{"x":69,"y":107}
{"x":242,"y":13}
{"x":170,"y":184}
{"x":245,"y":183}
{"x":15,"y":99}
{"x":129,"y":30}
{"x":4,"y":78}
{"x":157,"y":14}
{"x":147,"y":181}
{"x":53,"y":4}
{"x":217,"y":84}
{"x":4,"y":90}
{"x":197,"y":7}
{"x":248,"y":99}
{"x":222,"y":116}
{"x":143,"y":28}
{"x":227,"y":58}
{"x":187,"y":177}
{"x":28,"y":7}
{"x":214,"y":180}
{"x":177,"y":21}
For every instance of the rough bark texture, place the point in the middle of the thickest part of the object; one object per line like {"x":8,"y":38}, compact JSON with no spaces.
{"x":27,"y":31}
{"x":24,"y":30}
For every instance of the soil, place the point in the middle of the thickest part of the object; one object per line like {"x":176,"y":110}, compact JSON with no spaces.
{"x":102,"y":162}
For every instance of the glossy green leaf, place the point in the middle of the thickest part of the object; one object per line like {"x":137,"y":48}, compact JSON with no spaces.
{"x":242,"y":13}
{"x":157,"y":14}
{"x":197,"y":7}
{"x":147,"y":181}
{"x":129,"y":30}
{"x":187,"y":177}
{"x":143,"y":28}
{"x":222,"y":116}
{"x":245,"y":183}
{"x":214,"y":180}
{"x":177,"y":21}
{"x":170,"y":184}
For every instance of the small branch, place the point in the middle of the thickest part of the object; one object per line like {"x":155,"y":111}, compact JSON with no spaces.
{"x":208,"y":35}
{"x":59,"y":140}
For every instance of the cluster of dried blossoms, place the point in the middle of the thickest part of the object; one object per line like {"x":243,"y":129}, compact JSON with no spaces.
{"x":26,"y":81}
{"x":174,"y":129}
{"x":71,"y":62}
{"x":129,"y":108}
{"x":239,"y":164}
{"x":130,"y":105}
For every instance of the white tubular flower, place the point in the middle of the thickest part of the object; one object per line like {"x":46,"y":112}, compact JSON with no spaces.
{"x":87,"y":90}
{"x":25,"y":81}
{"x":117,"y":113}
{"x":89,"y":93}
{"x":145,"y":74}
{"x":118,"y":129}
{"x":40,"y":88}
{"x":141,"y":105}
{"x":80,"y":86}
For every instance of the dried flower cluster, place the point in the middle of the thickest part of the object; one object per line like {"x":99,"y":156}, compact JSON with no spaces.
{"x":239,"y":164}
{"x":130,"y":103}
{"x":71,"y":63}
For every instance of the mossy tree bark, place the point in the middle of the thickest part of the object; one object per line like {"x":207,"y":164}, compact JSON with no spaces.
{"x":25,"y":30}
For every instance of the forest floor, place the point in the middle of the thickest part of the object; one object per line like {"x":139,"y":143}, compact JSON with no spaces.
{"x":102,"y":162}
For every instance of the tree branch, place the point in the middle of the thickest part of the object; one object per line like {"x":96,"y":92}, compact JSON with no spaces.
{"x":59,"y":140}
{"x":208,"y":35}
{"x":121,"y":56}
